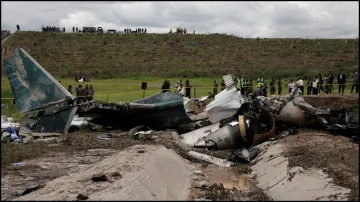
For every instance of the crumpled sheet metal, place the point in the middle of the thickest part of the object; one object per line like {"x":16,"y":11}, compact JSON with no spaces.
{"x":226,"y":104}
{"x":31,"y":84}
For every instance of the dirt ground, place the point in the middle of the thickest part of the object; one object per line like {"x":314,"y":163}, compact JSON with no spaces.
{"x":335,"y":155}
{"x":333,"y":101}
{"x":76,"y":151}
{"x":80,"y":150}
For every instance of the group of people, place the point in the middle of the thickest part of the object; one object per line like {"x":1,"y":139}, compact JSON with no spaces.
{"x":83,"y":94}
{"x":325,"y":84}
{"x":179,"y":87}
{"x":136,"y":31}
{"x":52,"y":29}
{"x":81,"y":78}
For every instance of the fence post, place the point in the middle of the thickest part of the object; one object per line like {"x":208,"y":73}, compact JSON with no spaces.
{"x":194,"y":92}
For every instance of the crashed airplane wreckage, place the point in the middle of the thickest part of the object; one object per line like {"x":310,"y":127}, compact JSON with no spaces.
{"x":231,"y":120}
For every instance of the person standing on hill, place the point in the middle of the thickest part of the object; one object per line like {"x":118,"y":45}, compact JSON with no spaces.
{"x":341,"y":82}
{"x":215,"y":87}
{"x":73,"y":29}
{"x":187,"y":89}
{"x":17,"y":27}
{"x":279,"y":84}
{"x":222,"y":85}
{"x":355,"y":83}
{"x":145,"y":30}
{"x":309,"y":86}
{"x":77,"y":30}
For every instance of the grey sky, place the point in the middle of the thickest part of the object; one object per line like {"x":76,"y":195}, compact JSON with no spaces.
{"x":247,"y":19}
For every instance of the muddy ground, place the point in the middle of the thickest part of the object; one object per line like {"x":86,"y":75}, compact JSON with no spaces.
{"x":336,"y":155}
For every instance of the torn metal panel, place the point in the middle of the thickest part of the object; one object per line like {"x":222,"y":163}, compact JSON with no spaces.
{"x":226,"y":104}
{"x":229,"y":81}
{"x":192,"y":137}
{"x":32,"y":85}
{"x":211,"y":159}
{"x":58,"y":122}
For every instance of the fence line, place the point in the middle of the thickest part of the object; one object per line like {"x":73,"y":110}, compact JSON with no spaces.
{"x":194,"y":90}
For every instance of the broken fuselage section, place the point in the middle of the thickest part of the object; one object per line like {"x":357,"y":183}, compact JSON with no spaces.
{"x":48,"y":107}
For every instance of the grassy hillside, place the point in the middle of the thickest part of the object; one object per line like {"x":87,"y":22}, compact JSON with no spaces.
{"x":178,"y":55}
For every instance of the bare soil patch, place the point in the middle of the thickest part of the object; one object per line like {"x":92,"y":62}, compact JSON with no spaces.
{"x":333,"y":101}
{"x":335,"y":155}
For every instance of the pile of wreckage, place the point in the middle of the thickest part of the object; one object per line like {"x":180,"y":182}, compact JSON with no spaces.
{"x":230,"y":121}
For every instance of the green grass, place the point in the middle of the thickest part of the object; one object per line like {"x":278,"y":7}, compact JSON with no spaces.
{"x":191,"y":55}
{"x":126,"y":89}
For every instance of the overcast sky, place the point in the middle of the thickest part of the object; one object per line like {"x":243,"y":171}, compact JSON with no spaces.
{"x":247,"y":19}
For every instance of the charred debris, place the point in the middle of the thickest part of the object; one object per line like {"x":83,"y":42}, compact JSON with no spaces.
{"x":230,"y":121}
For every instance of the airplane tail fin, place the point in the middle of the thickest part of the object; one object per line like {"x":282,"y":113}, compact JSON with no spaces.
{"x":35,"y":89}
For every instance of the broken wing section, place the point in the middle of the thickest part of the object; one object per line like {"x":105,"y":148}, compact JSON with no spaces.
{"x":32,"y":85}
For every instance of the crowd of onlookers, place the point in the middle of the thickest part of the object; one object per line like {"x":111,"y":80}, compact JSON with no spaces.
{"x":314,"y":86}
{"x":135,"y":31}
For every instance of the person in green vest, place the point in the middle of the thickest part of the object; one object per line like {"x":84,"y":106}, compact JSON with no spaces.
{"x":262,"y":81}
{"x":258,"y":82}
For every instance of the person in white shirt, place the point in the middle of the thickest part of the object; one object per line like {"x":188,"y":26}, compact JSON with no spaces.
{"x":291,"y":86}
{"x":300,"y":85}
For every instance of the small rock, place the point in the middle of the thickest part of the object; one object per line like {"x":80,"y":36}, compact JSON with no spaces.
{"x":117,"y":175}
{"x":99,"y":177}
{"x":82,"y":197}
{"x":141,"y":151}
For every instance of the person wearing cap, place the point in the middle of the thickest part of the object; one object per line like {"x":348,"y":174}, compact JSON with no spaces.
{"x":355,"y":83}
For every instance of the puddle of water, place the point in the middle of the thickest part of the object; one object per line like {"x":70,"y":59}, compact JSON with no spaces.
{"x":228,"y":177}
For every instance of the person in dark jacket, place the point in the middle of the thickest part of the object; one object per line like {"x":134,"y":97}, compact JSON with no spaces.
{"x":70,"y":89}
{"x":330,"y":82}
{"x":320,"y":84}
{"x":215,"y":87}
{"x":355,"y":83}
{"x":272,"y":86}
{"x":187,"y":89}
{"x":279,"y":84}
{"x":223,"y":85}
{"x":18,"y":27}
{"x":309,"y":86}
{"x":78,"y":94}
{"x":341,"y":82}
